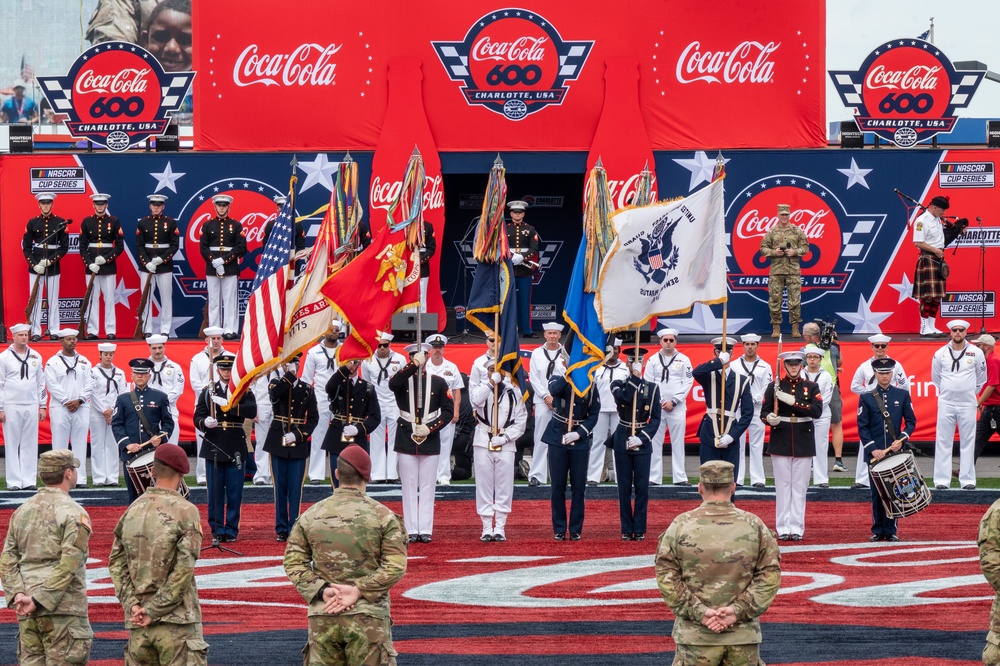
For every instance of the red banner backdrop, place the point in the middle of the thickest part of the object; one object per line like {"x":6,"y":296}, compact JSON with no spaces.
{"x":503,"y":78}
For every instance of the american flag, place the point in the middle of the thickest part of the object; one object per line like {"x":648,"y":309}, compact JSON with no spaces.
{"x":264,"y":324}
{"x":27,"y":71}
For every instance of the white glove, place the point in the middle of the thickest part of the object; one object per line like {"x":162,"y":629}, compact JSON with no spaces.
{"x":100,"y":260}
{"x":420,"y":358}
{"x":220,"y":271}
{"x":217,"y":262}
{"x":45,"y":263}
{"x":725,"y":441}
{"x":498,"y":440}
{"x":724,"y":357}
{"x":211,"y":422}
{"x":420,"y":430}
{"x":94,"y":267}
{"x":38,"y":268}
{"x":496,"y":378}
{"x":157,"y":261}
{"x":633,"y":442}
{"x":289,"y":437}
{"x":220,"y":401}
{"x":570,"y":437}
{"x":151,"y":266}
{"x":786,"y":398}
{"x":350,"y":430}
{"x":636,"y":368}
{"x":517,"y":259}
{"x":772,"y":419}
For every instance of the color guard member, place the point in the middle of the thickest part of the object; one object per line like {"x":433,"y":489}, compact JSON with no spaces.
{"x":758,"y":371}
{"x":223,"y":244}
{"x":524,"y":245}
{"x":44,"y":244}
{"x":546,"y":362}
{"x":157,"y":239}
{"x":317,"y":369}
{"x":199,"y":374}
{"x":101,"y":241}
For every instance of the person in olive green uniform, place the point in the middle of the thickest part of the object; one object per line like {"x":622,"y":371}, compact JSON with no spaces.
{"x":989,"y":562}
{"x":523,"y":241}
{"x":718,"y":568}
{"x":343,"y":555}
{"x":152,"y":562}
{"x":783,"y":244}
{"x":43,"y":568}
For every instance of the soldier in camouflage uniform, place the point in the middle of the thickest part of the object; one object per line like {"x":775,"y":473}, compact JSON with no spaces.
{"x":152,"y":564}
{"x":343,"y":555}
{"x":718,"y":569}
{"x":43,"y":570}
{"x":989,"y":562}
{"x":784,"y":243}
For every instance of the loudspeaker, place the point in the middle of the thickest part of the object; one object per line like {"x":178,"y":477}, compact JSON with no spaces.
{"x":20,"y":138}
{"x":407,"y":321}
{"x":850,"y":135}
{"x":169,"y":142}
{"x":450,"y":324}
{"x":992,"y":134}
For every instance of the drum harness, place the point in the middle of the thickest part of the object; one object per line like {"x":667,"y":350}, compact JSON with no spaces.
{"x":885,"y":417}
{"x":143,"y":421}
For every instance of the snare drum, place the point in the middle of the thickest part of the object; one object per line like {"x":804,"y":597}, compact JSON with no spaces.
{"x":140,"y":470}
{"x":900,"y":486}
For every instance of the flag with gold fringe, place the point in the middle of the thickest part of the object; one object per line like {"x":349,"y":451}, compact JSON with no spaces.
{"x":385,"y":278}
{"x":586,"y":346}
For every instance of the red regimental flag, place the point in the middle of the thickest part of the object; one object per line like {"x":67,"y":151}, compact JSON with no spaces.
{"x":381,"y":281}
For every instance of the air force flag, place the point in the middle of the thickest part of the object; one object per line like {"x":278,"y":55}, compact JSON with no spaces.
{"x":667,"y":257}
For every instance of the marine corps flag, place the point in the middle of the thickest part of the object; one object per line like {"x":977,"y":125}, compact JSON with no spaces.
{"x":667,"y":257}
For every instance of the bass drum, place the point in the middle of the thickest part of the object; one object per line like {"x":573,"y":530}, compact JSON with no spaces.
{"x":140,"y":469}
{"x":900,"y":486}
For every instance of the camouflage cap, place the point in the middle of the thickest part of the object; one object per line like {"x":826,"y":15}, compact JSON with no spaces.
{"x":717,"y":472}
{"x":53,"y":462}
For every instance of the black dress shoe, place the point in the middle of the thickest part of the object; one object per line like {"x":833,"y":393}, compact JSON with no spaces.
{"x":112,"y":336}
{"x":90,"y":336}
{"x":969,"y":486}
{"x":533,"y":481}
{"x":875,"y":537}
{"x":682,"y":483}
{"x":413,"y":538}
{"x":229,"y":538}
{"x":560,"y":536}
{"x":499,"y":537}
{"x":795,"y":537}
{"x":891,"y":537}
{"x":639,"y":536}
{"x":486,"y":538}
{"x":30,"y":488}
{"x":425,"y":538}
{"x":758,"y":486}
{"x":56,"y":337}
{"x":14,"y":489}
{"x":282,"y":537}
{"x":574,"y":536}
{"x":36,"y":338}
{"x":530,"y":335}
{"x":626,"y":537}
{"x":146,"y":335}
{"x":784,"y":537}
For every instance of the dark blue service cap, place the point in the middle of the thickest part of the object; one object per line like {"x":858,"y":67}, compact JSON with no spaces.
{"x":883,"y":365}
{"x":141,"y":365}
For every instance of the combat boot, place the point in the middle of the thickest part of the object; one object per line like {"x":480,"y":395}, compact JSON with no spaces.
{"x":795,"y":330}
{"x":776,"y":330}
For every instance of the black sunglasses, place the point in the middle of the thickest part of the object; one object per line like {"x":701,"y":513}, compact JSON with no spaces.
{"x":958,"y":328}
{"x":383,"y":344}
{"x":880,"y":345}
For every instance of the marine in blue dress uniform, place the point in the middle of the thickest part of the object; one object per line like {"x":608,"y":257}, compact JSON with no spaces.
{"x":569,"y":451}
{"x":881,"y":436}
{"x":133,"y":436}
{"x":638,"y":405}
{"x":727,"y":415}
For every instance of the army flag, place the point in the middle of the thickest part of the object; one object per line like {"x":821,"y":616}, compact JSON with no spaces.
{"x":667,"y":257}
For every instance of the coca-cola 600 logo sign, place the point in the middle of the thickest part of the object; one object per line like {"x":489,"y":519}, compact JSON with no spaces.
{"x":116,"y":94}
{"x":513,"y":62}
{"x":839,"y":242}
{"x":906,"y":91}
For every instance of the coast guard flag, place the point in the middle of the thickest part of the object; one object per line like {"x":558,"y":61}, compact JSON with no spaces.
{"x":667,"y":257}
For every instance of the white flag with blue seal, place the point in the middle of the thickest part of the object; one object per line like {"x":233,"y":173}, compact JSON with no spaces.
{"x":667,"y":256}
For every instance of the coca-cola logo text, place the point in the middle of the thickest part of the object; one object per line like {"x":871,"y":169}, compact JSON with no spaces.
{"x":306,"y":65}
{"x":522,"y":49}
{"x":123,"y":82}
{"x":623,"y":191}
{"x":253,"y":226}
{"x":749,"y":62}
{"x":918,"y":77}
{"x":384,"y":193}
{"x":753,"y":224}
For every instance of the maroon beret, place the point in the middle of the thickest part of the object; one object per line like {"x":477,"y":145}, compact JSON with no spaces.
{"x":173,"y":457}
{"x":358,"y":458}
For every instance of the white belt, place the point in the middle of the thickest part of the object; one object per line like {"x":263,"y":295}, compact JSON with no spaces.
{"x":721,"y":412}
{"x":795,"y":419}
{"x":102,"y":245}
{"x":157,"y":246}
{"x":220,"y":248}
{"x":49,"y":247}
{"x":407,"y":416}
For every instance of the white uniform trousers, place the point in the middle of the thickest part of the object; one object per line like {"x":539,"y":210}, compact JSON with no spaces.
{"x":263,"y":459}
{"x":104,"y":463}
{"x":755,"y":433}
{"x":317,"y":456}
{"x":199,"y":466}
{"x":164,"y":286}
{"x":175,"y":434}
{"x":606,"y":424}
{"x":791,"y":480}
{"x":676,"y":423}
{"x":539,"y":468}
{"x":494,"y":487}
{"x":20,"y":443}
{"x":417,"y":475}
{"x":223,"y":308}
{"x":424,"y":281}
{"x":385,"y":466}
{"x":949,"y":415}
{"x":70,"y":430}
{"x":861,"y":473}
{"x":49,"y":288}
{"x":821,"y":461}
{"x":444,"y":460}
{"x":105,"y":286}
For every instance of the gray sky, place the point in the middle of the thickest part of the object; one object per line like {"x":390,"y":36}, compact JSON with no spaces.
{"x":963,"y":30}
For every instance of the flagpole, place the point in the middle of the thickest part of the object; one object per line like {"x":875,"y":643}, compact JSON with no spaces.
{"x":635,"y":394}
{"x":722,"y":389}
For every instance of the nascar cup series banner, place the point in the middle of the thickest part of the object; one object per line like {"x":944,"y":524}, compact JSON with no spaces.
{"x":508,"y":77}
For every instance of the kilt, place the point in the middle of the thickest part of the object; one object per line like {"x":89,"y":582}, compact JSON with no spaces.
{"x":928,"y":282}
